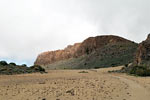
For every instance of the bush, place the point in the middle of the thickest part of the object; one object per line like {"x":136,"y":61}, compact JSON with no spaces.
{"x":38,"y":68}
{"x":96,"y":67}
{"x":24,"y":65}
{"x":140,"y":70}
{"x":126,"y":65}
{"x":83,"y":72}
{"x":3,"y":63}
{"x":12,"y":69}
{"x":12,"y":64}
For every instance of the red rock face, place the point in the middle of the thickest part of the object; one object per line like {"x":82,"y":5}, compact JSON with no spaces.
{"x":78,"y":49}
{"x":143,"y":53}
{"x":53,"y":56}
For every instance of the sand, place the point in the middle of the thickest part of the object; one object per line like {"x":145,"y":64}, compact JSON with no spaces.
{"x":74,"y":85}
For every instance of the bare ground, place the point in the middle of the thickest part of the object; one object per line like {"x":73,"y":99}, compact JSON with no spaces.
{"x":73,"y":85}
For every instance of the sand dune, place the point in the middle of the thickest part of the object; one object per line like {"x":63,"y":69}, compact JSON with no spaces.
{"x":74,"y":85}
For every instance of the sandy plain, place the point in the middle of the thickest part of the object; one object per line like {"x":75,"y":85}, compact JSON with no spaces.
{"x":74,"y":85}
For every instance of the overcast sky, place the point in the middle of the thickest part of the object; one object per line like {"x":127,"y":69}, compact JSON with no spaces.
{"x":29,"y":27}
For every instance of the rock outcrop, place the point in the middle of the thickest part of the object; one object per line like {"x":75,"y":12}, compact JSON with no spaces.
{"x":141,"y":64}
{"x":54,"y":56}
{"x":87,"y":47}
{"x":143,"y":53}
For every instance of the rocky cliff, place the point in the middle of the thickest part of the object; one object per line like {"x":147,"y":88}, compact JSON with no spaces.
{"x":141,"y":64}
{"x":81,"y":54}
{"x":143,"y":53}
{"x":54,"y":56}
{"x":78,"y":49}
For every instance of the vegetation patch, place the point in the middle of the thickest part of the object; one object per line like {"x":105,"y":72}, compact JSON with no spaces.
{"x":84,"y":72}
{"x":141,"y":70}
{"x":12,"y":68}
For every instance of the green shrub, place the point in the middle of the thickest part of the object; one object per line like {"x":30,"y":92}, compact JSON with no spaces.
{"x":126,"y":65}
{"x":24,"y":65}
{"x":83,"y":72}
{"x":3,"y":63}
{"x":96,"y":67}
{"x":12,"y":69}
{"x":38,"y":68}
{"x":140,"y":70}
{"x":12,"y":64}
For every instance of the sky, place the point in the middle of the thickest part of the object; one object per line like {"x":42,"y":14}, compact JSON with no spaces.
{"x":29,"y":27}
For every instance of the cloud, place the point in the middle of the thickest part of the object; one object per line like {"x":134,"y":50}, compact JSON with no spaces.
{"x":29,"y":27}
{"x":127,"y":18}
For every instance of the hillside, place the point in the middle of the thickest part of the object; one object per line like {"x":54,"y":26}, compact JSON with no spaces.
{"x":143,"y":53}
{"x":94,"y":52}
{"x":141,"y":63}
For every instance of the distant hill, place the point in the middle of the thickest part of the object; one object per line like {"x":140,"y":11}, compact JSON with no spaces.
{"x":94,"y":52}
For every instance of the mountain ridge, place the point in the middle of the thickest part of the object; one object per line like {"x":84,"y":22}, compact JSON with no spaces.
{"x":86,"y":48}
